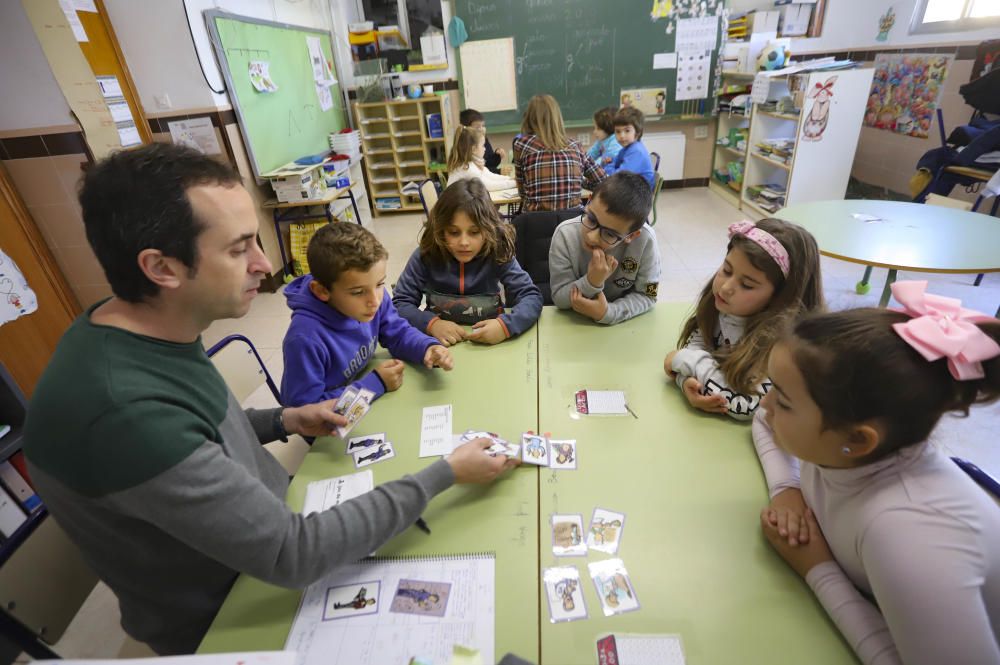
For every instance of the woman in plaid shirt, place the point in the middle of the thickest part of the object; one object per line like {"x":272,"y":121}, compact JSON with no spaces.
{"x":549,"y":168}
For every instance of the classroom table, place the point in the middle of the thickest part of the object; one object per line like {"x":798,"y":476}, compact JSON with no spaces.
{"x":691,"y":489}
{"x":491,"y":388}
{"x":900,"y":236}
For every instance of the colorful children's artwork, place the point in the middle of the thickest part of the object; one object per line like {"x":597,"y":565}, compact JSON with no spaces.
{"x":562,"y":453}
{"x":382,"y":452}
{"x":421,"y":598}
{"x":905,"y":92}
{"x":885,"y":23}
{"x":651,"y":101}
{"x":567,"y":535}
{"x":819,"y":114}
{"x":614,"y":587}
{"x":351,"y":601}
{"x":605,"y":533}
{"x":353,"y":404}
{"x":565,"y":595}
{"x":661,"y":9}
{"x":260,"y":76}
{"x":364,"y":443}
{"x":16,"y":297}
{"x":534,"y":449}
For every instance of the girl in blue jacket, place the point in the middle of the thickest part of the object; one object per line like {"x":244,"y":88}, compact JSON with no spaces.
{"x":466,"y":254}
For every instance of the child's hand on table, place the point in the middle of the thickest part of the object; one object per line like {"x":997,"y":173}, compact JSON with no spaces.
{"x":593,"y":309}
{"x":489,"y":331}
{"x":787,"y":513}
{"x":668,"y":364}
{"x":438,"y":356}
{"x":710,"y":403}
{"x":805,"y":556}
{"x":447,"y":332}
{"x":391,"y":373}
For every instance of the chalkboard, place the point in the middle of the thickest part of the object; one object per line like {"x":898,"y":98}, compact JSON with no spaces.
{"x":281,"y":126}
{"x":585,"y":52}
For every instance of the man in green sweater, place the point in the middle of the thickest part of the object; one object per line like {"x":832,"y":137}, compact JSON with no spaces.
{"x":142,"y":454}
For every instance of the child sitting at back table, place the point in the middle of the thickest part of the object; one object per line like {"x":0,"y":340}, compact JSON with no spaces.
{"x":769,"y":275}
{"x":491,"y":158}
{"x":633,"y":156}
{"x":605,"y":264}
{"x":606,"y":146}
{"x":466,"y":160}
{"x":339,"y":312}
{"x":898,"y":543}
{"x":466,"y":254}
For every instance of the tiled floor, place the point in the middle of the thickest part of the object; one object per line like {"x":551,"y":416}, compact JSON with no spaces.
{"x":692,"y":236}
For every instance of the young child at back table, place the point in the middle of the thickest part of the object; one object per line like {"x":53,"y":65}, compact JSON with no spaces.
{"x":633,"y":155}
{"x":339,"y":312}
{"x":605,"y":264}
{"x":770,"y":273}
{"x":491,"y":158}
{"x":466,"y":160}
{"x":898,"y":543}
{"x":606,"y":146}
{"x":466,"y":254}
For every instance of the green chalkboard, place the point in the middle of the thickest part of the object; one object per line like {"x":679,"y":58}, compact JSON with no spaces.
{"x":279,"y":126}
{"x":585,"y":52}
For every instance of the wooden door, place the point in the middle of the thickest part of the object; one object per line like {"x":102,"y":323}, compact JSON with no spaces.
{"x":27,"y":343}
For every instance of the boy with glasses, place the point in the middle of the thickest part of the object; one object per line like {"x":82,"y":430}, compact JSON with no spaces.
{"x":605,"y":264}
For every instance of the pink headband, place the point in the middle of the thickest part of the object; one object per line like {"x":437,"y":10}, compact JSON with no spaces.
{"x":767,"y":242}
{"x":942,"y":328}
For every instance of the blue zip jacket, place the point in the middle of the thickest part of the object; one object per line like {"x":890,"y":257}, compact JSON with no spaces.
{"x":326,"y":351}
{"x":635,"y":158}
{"x":607,"y":147}
{"x":467,"y":293}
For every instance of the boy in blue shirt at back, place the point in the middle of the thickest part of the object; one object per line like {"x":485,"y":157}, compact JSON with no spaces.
{"x":339,"y":312}
{"x":633,"y":156}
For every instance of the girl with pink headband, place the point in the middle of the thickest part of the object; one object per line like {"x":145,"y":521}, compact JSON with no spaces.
{"x":769,"y":275}
{"x":898,"y":543}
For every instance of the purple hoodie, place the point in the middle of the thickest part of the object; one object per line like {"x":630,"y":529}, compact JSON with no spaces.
{"x":325,"y":351}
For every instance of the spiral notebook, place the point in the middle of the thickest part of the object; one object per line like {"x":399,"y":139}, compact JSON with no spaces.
{"x":391,"y":609}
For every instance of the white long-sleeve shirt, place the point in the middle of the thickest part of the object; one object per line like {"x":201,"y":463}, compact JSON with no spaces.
{"x":492,"y":181}
{"x":695,"y":360}
{"x":914,"y":533}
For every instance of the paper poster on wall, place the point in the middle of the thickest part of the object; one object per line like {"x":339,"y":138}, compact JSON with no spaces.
{"x":905,"y":92}
{"x":16,"y":297}
{"x":819,"y":113}
{"x":120,"y":112}
{"x":110,"y":87}
{"x":697,"y":34}
{"x":497,"y":92}
{"x":664,"y":60}
{"x":197,"y":133}
{"x":322,"y":73}
{"x":661,"y":9}
{"x":324,"y":97}
{"x":651,"y":101}
{"x":260,"y":76}
{"x":128,"y":134}
{"x":69,"y":10}
{"x":693,"y":74}
{"x":885,"y":23}
{"x":85,"y":6}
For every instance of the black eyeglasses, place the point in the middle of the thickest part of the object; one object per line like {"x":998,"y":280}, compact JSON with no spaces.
{"x":609,"y":236}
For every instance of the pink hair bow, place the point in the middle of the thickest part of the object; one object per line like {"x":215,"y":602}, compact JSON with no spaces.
{"x":942,"y":328}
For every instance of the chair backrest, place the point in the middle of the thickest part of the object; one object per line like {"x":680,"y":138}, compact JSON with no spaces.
{"x":654,"y":157}
{"x":983,"y":479}
{"x":428,"y":196}
{"x":656,"y":193}
{"x":531,"y":247}
{"x":241,"y":366}
{"x":945,"y":202}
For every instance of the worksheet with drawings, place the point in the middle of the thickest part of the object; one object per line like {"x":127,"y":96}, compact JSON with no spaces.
{"x":388,"y":610}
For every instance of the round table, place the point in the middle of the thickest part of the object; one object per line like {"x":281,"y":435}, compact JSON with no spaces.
{"x":900,"y":236}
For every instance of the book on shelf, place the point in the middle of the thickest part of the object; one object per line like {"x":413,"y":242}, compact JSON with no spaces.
{"x":18,"y":487}
{"x":11,"y":515}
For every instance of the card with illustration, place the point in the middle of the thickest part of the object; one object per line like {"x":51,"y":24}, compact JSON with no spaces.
{"x":535,"y":449}
{"x":562,"y":453}
{"x":470,"y":434}
{"x":614,"y":588}
{"x":504,"y":448}
{"x":568,"y":535}
{"x":605,"y":532}
{"x":345,"y":400}
{"x":352,"y":600}
{"x":565,"y":594}
{"x":382,"y":452}
{"x":367,"y":443}
{"x":356,"y":411}
{"x":422,"y":598}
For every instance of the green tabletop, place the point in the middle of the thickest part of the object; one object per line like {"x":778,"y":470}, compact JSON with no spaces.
{"x":905,"y":236}
{"x":492,"y":388}
{"x":691,"y":488}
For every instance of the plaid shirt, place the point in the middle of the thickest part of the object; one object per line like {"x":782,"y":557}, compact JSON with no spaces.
{"x":552,"y":179}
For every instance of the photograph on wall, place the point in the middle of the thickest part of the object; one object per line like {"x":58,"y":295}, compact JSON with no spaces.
{"x":905,"y":92}
{"x":651,"y":101}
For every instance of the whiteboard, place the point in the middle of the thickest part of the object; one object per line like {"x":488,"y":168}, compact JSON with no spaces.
{"x":498,"y":90}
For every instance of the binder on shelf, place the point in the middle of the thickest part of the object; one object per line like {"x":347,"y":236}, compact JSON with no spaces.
{"x":11,"y":516}
{"x":19,"y":488}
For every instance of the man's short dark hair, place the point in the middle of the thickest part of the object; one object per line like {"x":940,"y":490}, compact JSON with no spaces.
{"x":627,"y":195}
{"x":137,"y":199}
{"x":339,"y":247}
{"x":630,"y":116}
{"x":469,"y":116}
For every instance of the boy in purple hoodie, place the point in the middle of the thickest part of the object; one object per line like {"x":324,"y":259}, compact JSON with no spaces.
{"x":339,"y":312}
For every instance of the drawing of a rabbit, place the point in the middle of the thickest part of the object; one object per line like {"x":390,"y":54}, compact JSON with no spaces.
{"x":819,"y":114}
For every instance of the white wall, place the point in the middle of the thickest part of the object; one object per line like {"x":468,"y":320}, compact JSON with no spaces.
{"x":154,"y":37}
{"x":31,"y":96}
{"x":851,"y":24}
